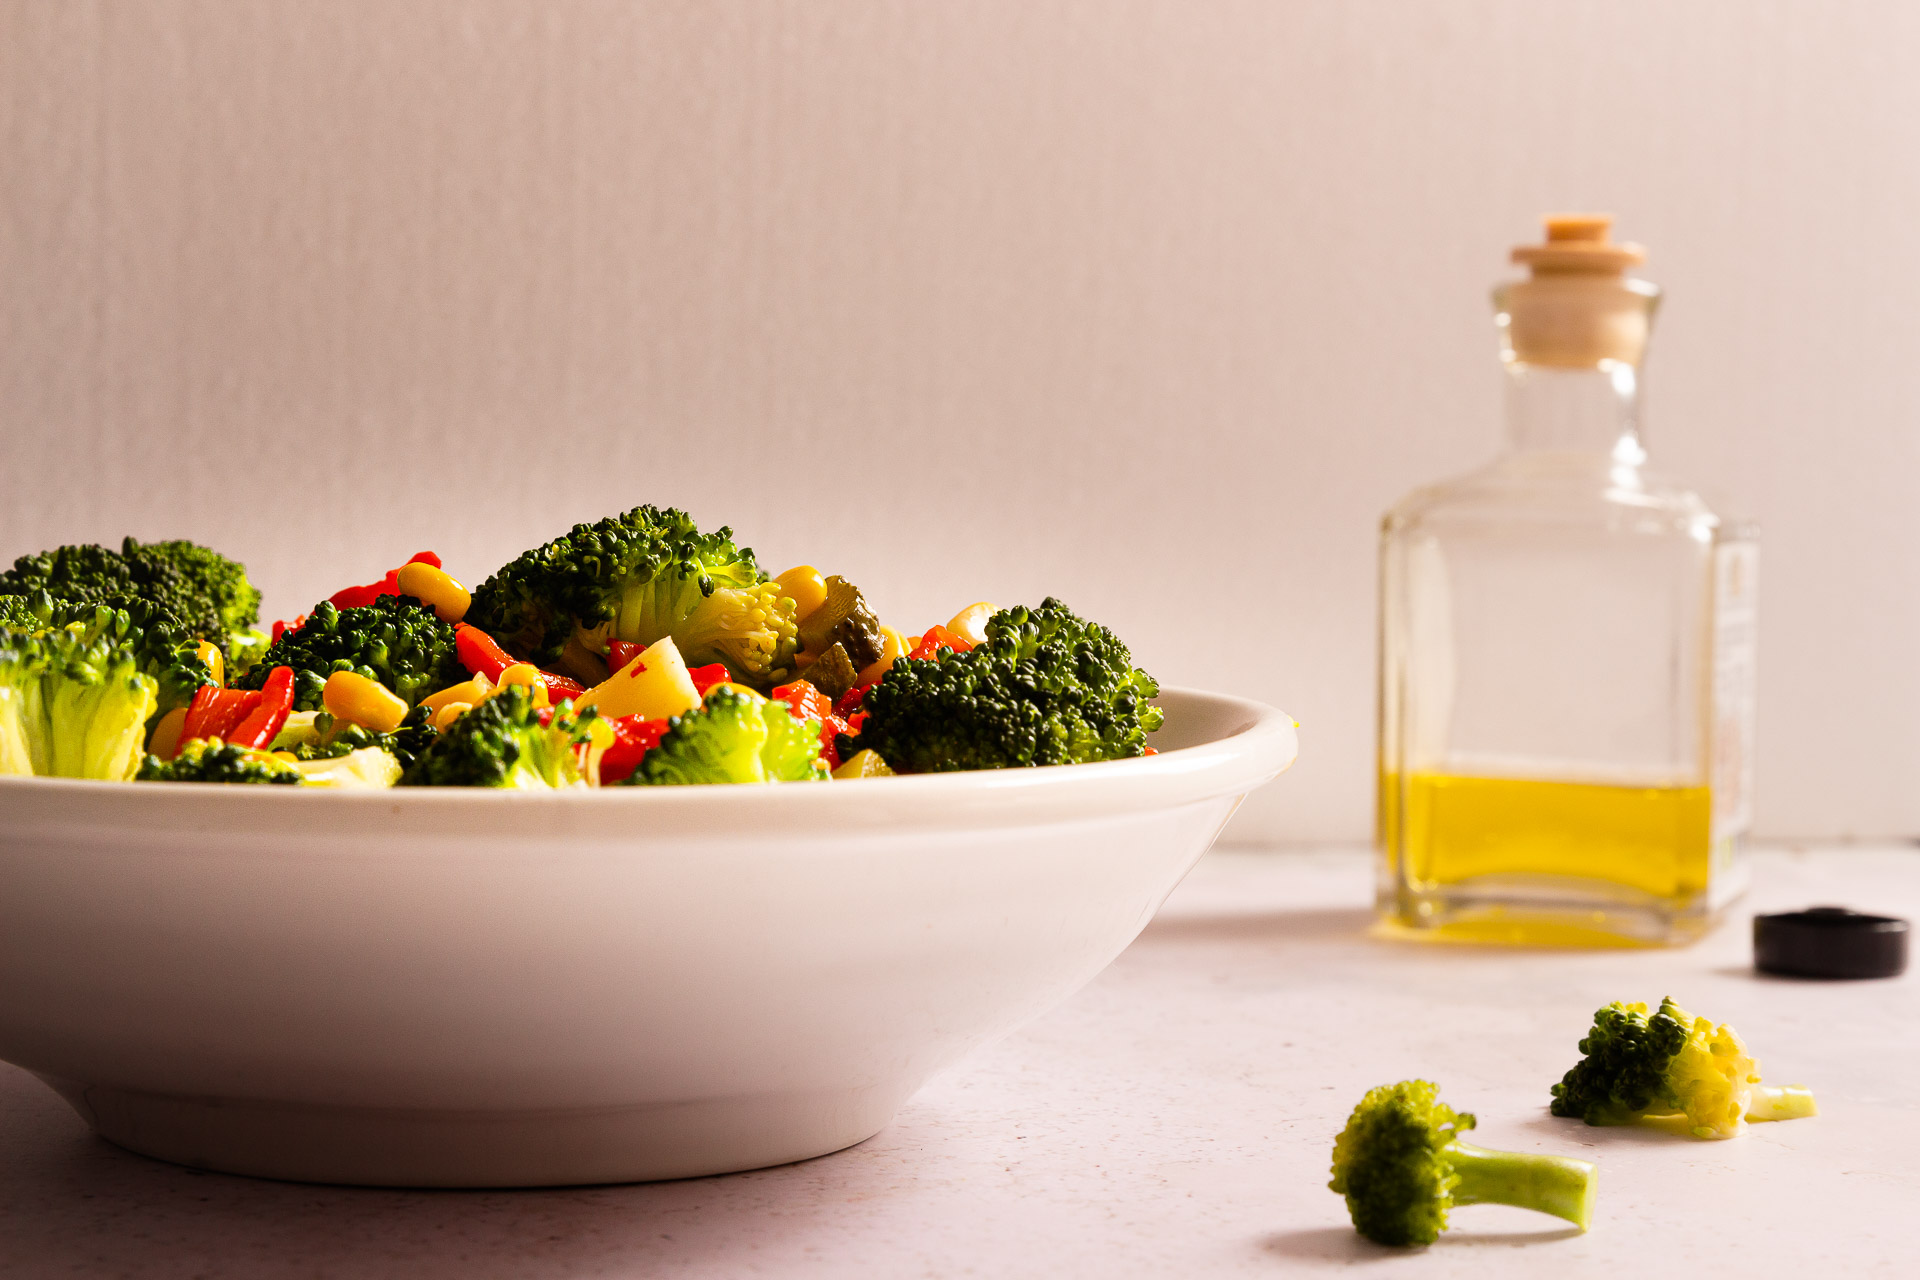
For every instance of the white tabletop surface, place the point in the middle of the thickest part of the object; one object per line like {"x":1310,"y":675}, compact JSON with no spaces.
{"x":1173,"y":1118}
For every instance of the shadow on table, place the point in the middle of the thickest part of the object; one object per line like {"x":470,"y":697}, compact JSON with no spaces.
{"x":72,"y":1204}
{"x":1321,"y":924}
{"x":1346,"y":1246}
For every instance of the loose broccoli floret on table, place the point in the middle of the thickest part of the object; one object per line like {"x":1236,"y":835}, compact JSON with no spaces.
{"x":211,"y":760}
{"x":640,"y":577}
{"x":1401,"y":1166}
{"x":207,"y":592}
{"x":1045,"y":687}
{"x":396,"y":640}
{"x":72,"y":705}
{"x":505,"y":742}
{"x":1671,"y":1068}
{"x":734,"y":736}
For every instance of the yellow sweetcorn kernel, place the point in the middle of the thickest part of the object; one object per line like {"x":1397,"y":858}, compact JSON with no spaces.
{"x":437,"y":589}
{"x":447,"y":713}
{"x":970,"y":624}
{"x":804,"y":585}
{"x":528,"y":675}
{"x":472,"y":692}
{"x":210,"y":655}
{"x":352,"y":697}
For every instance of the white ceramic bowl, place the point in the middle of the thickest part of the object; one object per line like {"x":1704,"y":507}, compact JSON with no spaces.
{"x":483,"y":988}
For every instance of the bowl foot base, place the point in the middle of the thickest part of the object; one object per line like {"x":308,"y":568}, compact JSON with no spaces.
{"x":425,"y":1148}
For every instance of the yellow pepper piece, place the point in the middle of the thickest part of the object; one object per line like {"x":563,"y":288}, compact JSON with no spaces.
{"x":448,"y":713}
{"x":472,"y":692}
{"x":527,"y":675}
{"x":210,"y":655}
{"x":862,"y":764}
{"x":435,"y":588}
{"x":804,"y":585}
{"x":352,"y":697}
{"x":893,"y":648}
{"x":165,"y":741}
{"x":970,"y":624}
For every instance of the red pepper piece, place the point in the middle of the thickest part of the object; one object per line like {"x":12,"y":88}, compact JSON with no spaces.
{"x":214,"y":711}
{"x":620,"y":653}
{"x":481,"y":656}
{"x":936,"y":639}
{"x":269,"y":715}
{"x":633,"y":737}
{"x":559,"y":688}
{"x":804,"y":700}
{"x":850,"y":700}
{"x":360,"y":597}
{"x":704,"y":678}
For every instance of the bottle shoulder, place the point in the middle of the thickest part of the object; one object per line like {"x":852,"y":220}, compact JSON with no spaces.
{"x":1547,"y":490}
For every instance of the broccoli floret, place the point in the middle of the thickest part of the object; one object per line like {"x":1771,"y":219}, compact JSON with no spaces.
{"x":640,"y":576}
{"x":1045,"y":687}
{"x":162,"y":645}
{"x":734,"y":736}
{"x":1401,"y":1166}
{"x":211,"y":760}
{"x":206,"y":591}
{"x":72,"y":705}
{"x":503,"y":743}
{"x":396,"y":640}
{"x":1672,"y":1069}
{"x":318,"y":736}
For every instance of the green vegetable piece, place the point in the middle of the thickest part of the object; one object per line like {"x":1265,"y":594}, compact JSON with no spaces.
{"x":73,"y":703}
{"x":502,"y":743}
{"x":396,"y":640}
{"x":734,"y":737}
{"x":163,"y":647}
{"x":1673,"y":1070}
{"x":207,"y":592}
{"x":204,"y":760}
{"x":1401,"y":1166}
{"x":845,"y":620}
{"x":832,"y":673}
{"x":1045,"y":687}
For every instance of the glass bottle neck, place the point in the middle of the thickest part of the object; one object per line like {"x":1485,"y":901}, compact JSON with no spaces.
{"x":1594,"y":412}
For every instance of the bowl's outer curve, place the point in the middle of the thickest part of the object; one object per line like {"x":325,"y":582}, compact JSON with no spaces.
{"x":459,"y":988}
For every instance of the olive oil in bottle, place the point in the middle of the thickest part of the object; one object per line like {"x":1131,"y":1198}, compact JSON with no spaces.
{"x":1566,"y":665}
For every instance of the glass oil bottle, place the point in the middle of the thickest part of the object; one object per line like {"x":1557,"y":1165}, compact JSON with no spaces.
{"x":1567,"y":650}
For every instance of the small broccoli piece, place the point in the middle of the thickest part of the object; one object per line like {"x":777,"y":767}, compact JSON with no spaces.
{"x":72,"y":705}
{"x":329,"y":739}
{"x":211,"y":760}
{"x":207,"y":592}
{"x":504,"y":742}
{"x":734,"y":736}
{"x":1670,"y":1068}
{"x":1045,"y":687}
{"x":1401,"y":1166}
{"x":361,"y":769}
{"x":639,"y":577}
{"x":396,"y":640}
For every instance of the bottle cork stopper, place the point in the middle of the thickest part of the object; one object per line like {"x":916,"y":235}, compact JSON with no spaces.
{"x":1578,"y":307}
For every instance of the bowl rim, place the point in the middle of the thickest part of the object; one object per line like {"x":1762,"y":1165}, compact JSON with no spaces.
{"x":1260,"y":744}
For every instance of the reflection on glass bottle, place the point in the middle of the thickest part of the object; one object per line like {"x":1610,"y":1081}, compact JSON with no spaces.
{"x":1566,"y":666}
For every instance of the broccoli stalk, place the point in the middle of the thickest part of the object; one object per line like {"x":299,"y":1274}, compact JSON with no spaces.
{"x":1671,"y":1069}
{"x":1044,"y":687}
{"x":1401,"y":1166}
{"x":640,"y":577}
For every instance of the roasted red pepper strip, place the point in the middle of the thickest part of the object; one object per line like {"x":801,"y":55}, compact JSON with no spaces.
{"x":850,"y":700}
{"x":808,"y":703}
{"x":214,"y":711}
{"x":360,"y":597}
{"x":936,"y":639}
{"x":633,"y":737}
{"x":480,"y":655}
{"x":269,"y":716}
{"x":620,"y":653}
{"x":704,"y":678}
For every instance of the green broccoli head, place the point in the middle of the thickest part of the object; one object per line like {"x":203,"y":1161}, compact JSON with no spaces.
{"x":506,"y":742}
{"x":752,"y":630}
{"x":162,"y":644}
{"x":72,"y":704}
{"x":1401,"y":1166}
{"x":1044,"y":687}
{"x":211,"y":760}
{"x":396,"y":640}
{"x":1670,"y":1066}
{"x":734,"y":736}
{"x":207,"y":592}
{"x":636,"y":577}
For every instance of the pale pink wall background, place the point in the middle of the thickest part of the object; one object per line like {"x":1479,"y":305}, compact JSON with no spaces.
{"x":1150,"y":305}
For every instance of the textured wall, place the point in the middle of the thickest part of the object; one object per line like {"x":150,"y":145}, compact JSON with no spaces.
{"x":1150,"y":305}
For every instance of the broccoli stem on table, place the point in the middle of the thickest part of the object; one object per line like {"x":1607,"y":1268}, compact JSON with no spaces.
{"x":1559,"y":1185}
{"x":1782,"y":1102}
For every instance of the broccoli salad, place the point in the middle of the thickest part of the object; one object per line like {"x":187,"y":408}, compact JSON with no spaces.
{"x":635,"y":651}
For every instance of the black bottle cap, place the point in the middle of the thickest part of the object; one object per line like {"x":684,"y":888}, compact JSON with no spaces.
{"x":1830,"y":942}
